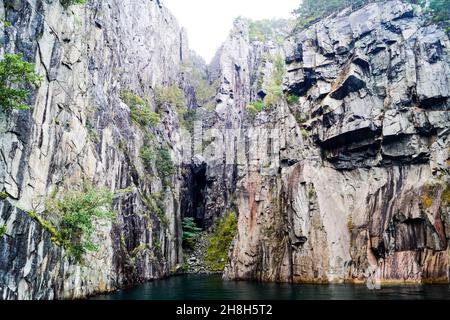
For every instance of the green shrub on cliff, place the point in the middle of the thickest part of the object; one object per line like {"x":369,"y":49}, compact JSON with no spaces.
{"x":254,"y":108}
{"x":77,"y":212}
{"x":312,"y":10}
{"x":292,"y":99}
{"x":172,"y":96}
{"x":16,"y":73}
{"x":164,"y":165}
{"x":2,"y":231}
{"x":219,"y":246}
{"x":147,"y":152}
{"x":154,"y":156}
{"x":274,"y":89}
{"x":147,"y":156}
{"x":140,"y":110}
{"x":67,"y":3}
{"x":274,"y":96}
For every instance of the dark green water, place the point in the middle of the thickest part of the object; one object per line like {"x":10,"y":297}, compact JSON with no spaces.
{"x":201,"y":287}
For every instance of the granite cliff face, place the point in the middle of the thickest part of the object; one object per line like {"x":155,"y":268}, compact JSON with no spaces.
{"x":346,"y":182}
{"x":361,"y":189}
{"x":79,"y":129}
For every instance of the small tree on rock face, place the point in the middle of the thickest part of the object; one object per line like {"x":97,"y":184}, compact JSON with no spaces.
{"x":164,"y":165}
{"x":147,"y":156}
{"x":190,"y":232}
{"x":15,"y":72}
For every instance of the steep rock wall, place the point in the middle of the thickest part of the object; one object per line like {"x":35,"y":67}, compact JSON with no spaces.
{"x":79,"y":129}
{"x":242,"y":69}
{"x":348,"y":183}
{"x":359,"y":182}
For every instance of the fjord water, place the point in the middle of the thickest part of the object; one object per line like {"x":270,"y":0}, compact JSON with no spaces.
{"x":212,"y":287}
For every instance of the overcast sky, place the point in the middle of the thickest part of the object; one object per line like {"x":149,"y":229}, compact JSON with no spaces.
{"x":208,"y":22}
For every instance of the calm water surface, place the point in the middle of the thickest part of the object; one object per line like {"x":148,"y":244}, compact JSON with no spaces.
{"x":205,"y":287}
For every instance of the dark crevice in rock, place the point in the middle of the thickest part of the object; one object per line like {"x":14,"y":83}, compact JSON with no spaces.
{"x":193,"y":193}
{"x":436,"y":104}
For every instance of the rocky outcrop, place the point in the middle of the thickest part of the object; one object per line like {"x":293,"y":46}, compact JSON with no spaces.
{"x":80,"y":129}
{"x":357,"y":185}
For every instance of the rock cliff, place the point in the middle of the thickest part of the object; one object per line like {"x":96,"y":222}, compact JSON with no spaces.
{"x":80,"y":129}
{"x":362,"y":187}
{"x":343,"y":176}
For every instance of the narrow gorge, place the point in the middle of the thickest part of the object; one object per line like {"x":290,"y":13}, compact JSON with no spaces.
{"x":322,"y":151}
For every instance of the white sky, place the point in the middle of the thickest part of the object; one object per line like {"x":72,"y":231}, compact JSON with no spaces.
{"x":208,"y":22}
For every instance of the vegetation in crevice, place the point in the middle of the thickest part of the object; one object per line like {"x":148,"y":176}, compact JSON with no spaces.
{"x":157,"y":248}
{"x":6,"y":23}
{"x":439,"y":10}
{"x":350,"y":224}
{"x":139,"y":250}
{"x":3,"y":231}
{"x":147,"y":156}
{"x":48,"y":226}
{"x":76,"y":213}
{"x":172,"y":96}
{"x":430,"y":194}
{"x":188,"y":122}
{"x":147,"y":152}
{"x":164,"y":165}
{"x":305,"y":133}
{"x":300,"y":117}
{"x":292,"y":99}
{"x":254,"y":108}
{"x":15,"y":73}
{"x":190,"y":232}
{"x":141,"y":113}
{"x":157,"y":157}
{"x":68,"y":3}
{"x":274,"y":89}
{"x":3,"y":195}
{"x":220,"y":241}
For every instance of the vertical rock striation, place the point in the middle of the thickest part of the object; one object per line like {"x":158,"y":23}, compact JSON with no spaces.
{"x":80,"y":129}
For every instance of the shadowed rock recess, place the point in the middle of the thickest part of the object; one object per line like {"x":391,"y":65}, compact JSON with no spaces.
{"x":347,"y":181}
